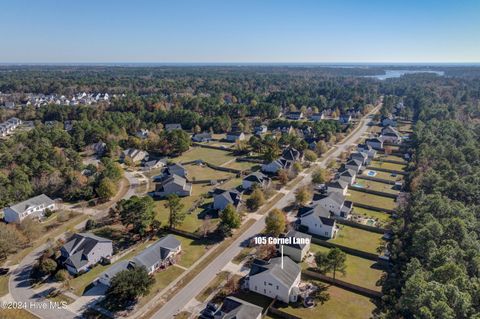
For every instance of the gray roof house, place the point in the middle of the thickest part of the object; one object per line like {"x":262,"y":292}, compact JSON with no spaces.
{"x":339,"y":186}
{"x":295,"y":115}
{"x":348,"y":175}
{"x":297,"y":251}
{"x":292,"y":154}
{"x":106,"y":277}
{"x":159,"y":255}
{"x":376,"y":143}
{"x":173,"y":126}
{"x":276,"y":165}
{"x":221,"y":200}
{"x":173,"y":184}
{"x":202,"y":137}
{"x":176,"y":169}
{"x":134,"y":155}
{"x":35,"y":207}
{"x":99,"y":148}
{"x":157,"y":163}
{"x":84,"y":250}
{"x":235,"y":136}
{"x":275,"y":278}
{"x":317,"y":220}
{"x":255,"y":178}
{"x":334,"y":203}
{"x":234,"y":308}
{"x":354,"y":164}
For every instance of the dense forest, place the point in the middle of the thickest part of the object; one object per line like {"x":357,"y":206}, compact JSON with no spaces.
{"x":436,"y":248}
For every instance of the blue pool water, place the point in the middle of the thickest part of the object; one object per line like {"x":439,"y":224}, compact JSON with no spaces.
{"x":371,"y":173}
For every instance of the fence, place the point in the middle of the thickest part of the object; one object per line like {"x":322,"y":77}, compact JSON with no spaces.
{"x":373,"y":229}
{"x":374,"y":208}
{"x":376,"y":179}
{"x":343,"y":284}
{"x":281,"y":314}
{"x":392,"y":161}
{"x":251,"y":160}
{"x":212,"y":147}
{"x":186,"y":234}
{"x":381,"y":169}
{"x":348,"y":250}
{"x":373,"y":192}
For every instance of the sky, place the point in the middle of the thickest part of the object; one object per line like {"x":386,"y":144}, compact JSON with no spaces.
{"x":239,"y":31}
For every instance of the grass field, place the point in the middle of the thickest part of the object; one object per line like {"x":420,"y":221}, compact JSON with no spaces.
{"x":390,"y":157}
{"x":358,"y":239}
{"x":162,"y":279}
{"x":379,"y":216}
{"x":243,"y":165}
{"x":197,"y":172}
{"x":377,"y":186}
{"x":233,"y":183}
{"x":392,"y":166}
{"x":341,"y":305}
{"x":192,"y":221}
{"x":16,"y":314}
{"x":385,"y":175}
{"x":370,"y":199}
{"x":360,"y":271}
{"x":192,"y":250}
{"x":212,"y":156}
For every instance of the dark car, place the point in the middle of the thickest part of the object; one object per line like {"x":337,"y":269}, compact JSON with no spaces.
{"x":3,"y":271}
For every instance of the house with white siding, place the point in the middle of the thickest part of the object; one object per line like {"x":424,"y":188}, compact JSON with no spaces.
{"x":334,"y":203}
{"x":317,"y":220}
{"x":33,"y":207}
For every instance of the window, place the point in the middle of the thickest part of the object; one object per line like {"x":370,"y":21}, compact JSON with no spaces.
{"x":326,"y":233}
{"x":270,"y":284}
{"x":277,"y":287}
{"x":264,"y":283}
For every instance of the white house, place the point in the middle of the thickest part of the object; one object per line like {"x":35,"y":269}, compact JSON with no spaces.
{"x":260,"y":130}
{"x":173,"y":126}
{"x":317,"y":220}
{"x":35,"y":207}
{"x":275,"y":278}
{"x":84,"y":250}
{"x":347,"y":175}
{"x":222,"y":199}
{"x":256,"y":178}
{"x":276,"y":165}
{"x":334,"y":203}
{"x":295,"y":115}
{"x":338,"y":186}
{"x":176,"y":169}
{"x":202,"y":137}
{"x":376,"y":143}
{"x":134,"y":155}
{"x":368,"y":150}
{"x":173,"y":184}
{"x":295,"y":250}
{"x":354,"y":164}
{"x":159,"y":255}
{"x":235,"y":136}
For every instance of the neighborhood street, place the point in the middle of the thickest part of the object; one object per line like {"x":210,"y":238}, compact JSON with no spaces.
{"x":178,"y":301}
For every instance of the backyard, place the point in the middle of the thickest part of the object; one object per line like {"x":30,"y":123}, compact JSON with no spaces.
{"x":390,"y":158}
{"x":212,"y":156}
{"x":359,"y":271}
{"x":370,"y":199}
{"x":383,"y":175}
{"x":386,"y":165}
{"x":381,"y":217}
{"x":203,"y":172}
{"x":357,"y":239}
{"x":376,"y":186}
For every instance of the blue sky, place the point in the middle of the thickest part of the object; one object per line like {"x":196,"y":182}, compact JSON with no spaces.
{"x":48,"y":31}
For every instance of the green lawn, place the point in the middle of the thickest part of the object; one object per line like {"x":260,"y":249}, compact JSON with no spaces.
{"x":360,"y":271}
{"x":341,"y":305}
{"x":233,"y":183}
{"x":392,"y":166}
{"x":243,"y":165}
{"x":370,"y":199}
{"x":212,"y":156}
{"x":377,"y":186}
{"x":192,"y":250}
{"x":385,"y":175}
{"x":197,"y":172}
{"x":3,"y":285}
{"x":16,"y":314}
{"x":379,"y":216}
{"x":357,"y":238}
{"x":192,"y":221}
{"x":390,"y":157}
{"x":162,"y":279}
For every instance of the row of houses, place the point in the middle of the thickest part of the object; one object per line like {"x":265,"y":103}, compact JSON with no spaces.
{"x":284,"y":162}
{"x":39,"y":100}
{"x":344,"y":118}
{"x":388,"y":135}
{"x":9,"y":126}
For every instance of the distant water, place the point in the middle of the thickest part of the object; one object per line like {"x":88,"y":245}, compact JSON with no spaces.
{"x":398,"y":73}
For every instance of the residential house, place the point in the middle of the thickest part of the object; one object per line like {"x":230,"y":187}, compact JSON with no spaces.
{"x":348,"y":175}
{"x":345,"y":118}
{"x":391,"y":135}
{"x":317,"y":116}
{"x":142,"y":133}
{"x":318,"y":221}
{"x":159,"y":255}
{"x":295,"y":250}
{"x":368,"y":150}
{"x":99,"y":148}
{"x":260,"y":130}
{"x":176,"y":169}
{"x":360,"y":156}
{"x":202,"y":137}
{"x":389,"y":121}
{"x":376,"y":143}
{"x":34,"y":207}
{"x":221,"y":200}
{"x":334,"y":203}
{"x":235,"y":308}
{"x":287,"y":129}
{"x":354,"y":164}
{"x":153,"y":164}
{"x":338,"y":186}
{"x":291,"y":154}
{"x":276,"y":165}
{"x":295,"y":115}
{"x":235,"y":136}
{"x":173,"y":126}
{"x":85,"y":250}
{"x":277,"y":278}
{"x":134,"y":155}
{"x":256,"y":178}
{"x":107,"y":276}
{"x":173,"y":184}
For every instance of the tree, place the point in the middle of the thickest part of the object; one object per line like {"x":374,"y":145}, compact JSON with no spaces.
{"x":127,"y":286}
{"x":275,"y":222}
{"x":31,"y":228}
{"x":256,"y":199}
{"x":137,"y":212}
{"x":310,"y":155}
{"x":47,"y":266}
{"x":283,"y":177}
{"x":319,"y":176}
{"x":302,"y":195}
{"x":207,"y":225}
{"x":297,"y":167}
{"x":106,"y":189}
{"x":230,"y":218}
{"x":175,"y":207}
{"x":334,"y":261}
{"x":321,"y":148}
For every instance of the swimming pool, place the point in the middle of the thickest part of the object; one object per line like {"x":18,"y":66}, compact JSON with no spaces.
{"x":371,"y":173}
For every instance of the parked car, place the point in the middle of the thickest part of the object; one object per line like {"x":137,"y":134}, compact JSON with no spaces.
{"x":3,"y":271}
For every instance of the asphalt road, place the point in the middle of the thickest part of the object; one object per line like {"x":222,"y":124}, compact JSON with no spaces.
{"x":177,"y":302}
